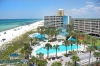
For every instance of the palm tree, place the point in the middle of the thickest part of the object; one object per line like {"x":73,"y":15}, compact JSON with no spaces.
{"x":35,"y":60}
{"x":57,"y":31}
{"x":56,"y":47}
{"x":68,"y":63}
{"x":70,"y":27}
{"x":31,"y":39}
{"x":85,"y":42}
{"x":42,"y":63}
{"x":41,"y":30}
{"x":77,"y":34}
{"x":75,"y":59}
{"x":48,"y":46}
{"x":96,"y":54}
{"x":72,"y":42}
{"x":26,"y":49}
{"x":90,"y":49}
{"x":40,"y":55}
{"x":88,"y":38}
{"x":94,"y":40}
{"x":48,"y":32}
{"x":66,"y":43}
{"x":56,"y":64}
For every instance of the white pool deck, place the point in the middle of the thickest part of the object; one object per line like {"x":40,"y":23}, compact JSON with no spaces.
{"x":42,"y":44}
{"x":83,"y":56}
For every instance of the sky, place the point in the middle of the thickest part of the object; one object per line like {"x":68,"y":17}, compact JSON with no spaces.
{"x":29,"y":9}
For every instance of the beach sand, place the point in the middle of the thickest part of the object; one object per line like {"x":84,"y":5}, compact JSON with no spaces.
{"x":8,"y":35}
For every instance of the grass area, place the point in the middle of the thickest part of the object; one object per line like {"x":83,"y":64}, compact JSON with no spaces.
{"x":14,"y":45}
{"x":98,"y":42}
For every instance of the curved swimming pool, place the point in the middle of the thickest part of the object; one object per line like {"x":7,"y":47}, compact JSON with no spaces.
{"x":62,"y":48}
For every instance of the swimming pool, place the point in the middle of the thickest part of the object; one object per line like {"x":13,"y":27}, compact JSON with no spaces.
{"x":39,"y":36}
{"x":72,"y":39}
{"x":61,"y":49}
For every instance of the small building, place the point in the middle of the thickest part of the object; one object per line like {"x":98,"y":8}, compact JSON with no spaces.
{"x":14,"y":56}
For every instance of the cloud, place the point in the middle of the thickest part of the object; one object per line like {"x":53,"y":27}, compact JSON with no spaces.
{"x":89,"y":9}
{"x":90,"y":3}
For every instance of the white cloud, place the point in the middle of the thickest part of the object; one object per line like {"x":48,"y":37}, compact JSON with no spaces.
{"x":86,"y":10}
{"x":89,"y":3}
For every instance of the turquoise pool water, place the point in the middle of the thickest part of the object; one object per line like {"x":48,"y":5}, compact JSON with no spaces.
{"x":72,"y":39}
{"x":37,"y":35}
{"x":61,"y":49}
{"x":98,"y":46}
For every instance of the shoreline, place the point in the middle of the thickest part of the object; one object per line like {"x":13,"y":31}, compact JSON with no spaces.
{"x":8,"y":35}
{"x":19,"y":26}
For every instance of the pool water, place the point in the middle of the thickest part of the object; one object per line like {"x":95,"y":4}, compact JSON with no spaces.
{"x":61,"y":49}
{"x":99,"y":47}
{"x":72,"y":39}
{"x":39,"y":36}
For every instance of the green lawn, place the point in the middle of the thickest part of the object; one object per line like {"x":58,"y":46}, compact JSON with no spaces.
{"x":98,"y":43}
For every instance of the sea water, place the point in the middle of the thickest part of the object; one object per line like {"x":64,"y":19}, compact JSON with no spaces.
{"x":6,"y":24}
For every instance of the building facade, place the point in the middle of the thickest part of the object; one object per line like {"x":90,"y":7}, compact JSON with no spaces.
{"x":56,"y":21}
{"x":88,"y":26}
{"x":60,"y":12}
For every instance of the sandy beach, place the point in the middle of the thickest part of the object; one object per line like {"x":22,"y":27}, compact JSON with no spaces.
{"x":8,"y":35}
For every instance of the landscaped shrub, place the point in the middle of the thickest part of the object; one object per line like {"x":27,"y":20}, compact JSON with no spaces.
{"x":66,"y":55}
{"x":52,"y":40}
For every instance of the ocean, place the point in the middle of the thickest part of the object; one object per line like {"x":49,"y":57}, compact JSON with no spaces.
{"x":6,"y":24}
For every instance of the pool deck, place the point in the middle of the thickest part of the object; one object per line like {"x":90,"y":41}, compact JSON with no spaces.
{"x":42,"y":44}
{"x":83,"y":56}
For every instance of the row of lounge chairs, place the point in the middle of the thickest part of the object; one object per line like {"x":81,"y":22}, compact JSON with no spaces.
{"x":52,"y":59}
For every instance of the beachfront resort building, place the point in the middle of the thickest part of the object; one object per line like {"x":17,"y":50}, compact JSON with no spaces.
{"x":59,"y":20}
{"x":88,"y":26}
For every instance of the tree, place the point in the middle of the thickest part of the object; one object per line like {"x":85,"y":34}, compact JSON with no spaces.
{"x":96,"y":54}
{"x":88,"y":38}
{"x":90,"y":49}
{"x":66,"y":43}
{"x":94,"y":40}
{"x":57,"y":31}
{"x":56,"y":64}
{"x":41,"y":30}
{"x":48,"y":46}
{"x":38,"y":62}
{"x":40,"y":55}
{"x":48,"y":32}
{"x":70,"y":27}
{"x":31,"y":39}
{"x":26,"y":49}
{"x":72,"y":42}
{"x":56,"y":47}
{"x":75,"y":59}
{"x":35,"y":60}
{"x":42,"y":63}
{"x":77,"y":42}
{"x":84,"y":43}
{"x":68,"y":63}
